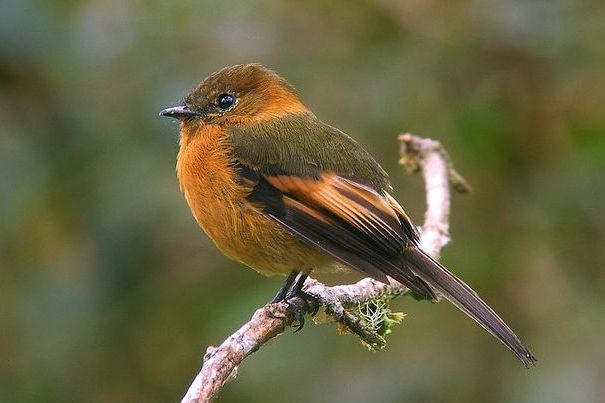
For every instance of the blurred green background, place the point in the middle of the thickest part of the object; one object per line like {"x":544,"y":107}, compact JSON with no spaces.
{"x":108,"y":290}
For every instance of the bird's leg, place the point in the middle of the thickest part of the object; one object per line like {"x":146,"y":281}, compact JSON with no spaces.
{"x":283,"y":291}
{"x":311,"y":303}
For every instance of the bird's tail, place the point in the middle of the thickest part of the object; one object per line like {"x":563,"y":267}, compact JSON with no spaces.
{"x":467,"y":300}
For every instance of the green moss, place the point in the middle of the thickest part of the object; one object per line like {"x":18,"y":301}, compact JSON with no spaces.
{"x":378,"y":315}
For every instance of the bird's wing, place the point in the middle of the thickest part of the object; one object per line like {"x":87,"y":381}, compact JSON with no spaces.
{"x":321,"y":186}
{"x":302,"y":145}
{"x":341,"y":217}
{"x":367,"y":231}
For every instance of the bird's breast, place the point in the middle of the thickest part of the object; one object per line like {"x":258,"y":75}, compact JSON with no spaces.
{"x":218,"y":202}
{"x":205,"y":175}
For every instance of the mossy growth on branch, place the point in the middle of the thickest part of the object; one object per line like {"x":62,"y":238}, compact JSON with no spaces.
{"x":377,"y":314}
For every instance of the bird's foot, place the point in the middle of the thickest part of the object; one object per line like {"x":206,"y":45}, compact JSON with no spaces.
{"x":300,"y":302}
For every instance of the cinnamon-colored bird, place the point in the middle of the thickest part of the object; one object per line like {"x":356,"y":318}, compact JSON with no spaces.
{"x":284,"y":193}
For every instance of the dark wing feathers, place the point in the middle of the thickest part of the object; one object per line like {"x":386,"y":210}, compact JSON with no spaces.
{"x":335,"y":199}
{"x":362,"y":236}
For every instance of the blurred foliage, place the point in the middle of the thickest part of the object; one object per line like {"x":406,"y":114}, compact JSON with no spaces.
{"x":108,"y":290}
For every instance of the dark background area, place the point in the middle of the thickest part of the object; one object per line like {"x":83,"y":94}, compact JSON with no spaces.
{"x":108,"y":290}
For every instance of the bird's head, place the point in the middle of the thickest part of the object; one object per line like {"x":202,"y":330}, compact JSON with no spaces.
{"x":237,"y":94}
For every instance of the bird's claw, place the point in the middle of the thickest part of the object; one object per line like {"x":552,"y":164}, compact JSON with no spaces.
{"x":309,"y":304}
{"x":297,"y":312}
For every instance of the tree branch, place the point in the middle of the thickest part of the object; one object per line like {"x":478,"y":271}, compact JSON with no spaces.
{"x":417,"y":155}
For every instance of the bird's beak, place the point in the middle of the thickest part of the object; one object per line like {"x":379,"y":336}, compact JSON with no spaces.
{"x":179,"y":112}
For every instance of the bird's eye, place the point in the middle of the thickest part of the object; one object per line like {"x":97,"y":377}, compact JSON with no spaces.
{"x":225,"y":101}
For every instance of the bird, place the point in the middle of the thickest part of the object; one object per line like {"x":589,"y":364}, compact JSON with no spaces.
{"x":284,"y":193}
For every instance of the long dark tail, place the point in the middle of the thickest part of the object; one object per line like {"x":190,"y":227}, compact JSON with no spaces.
{"x":467,"y":300}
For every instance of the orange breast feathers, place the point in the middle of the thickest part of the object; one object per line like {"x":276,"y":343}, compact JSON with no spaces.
{"x":204,"y":173}
{"x":218,"y":202}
